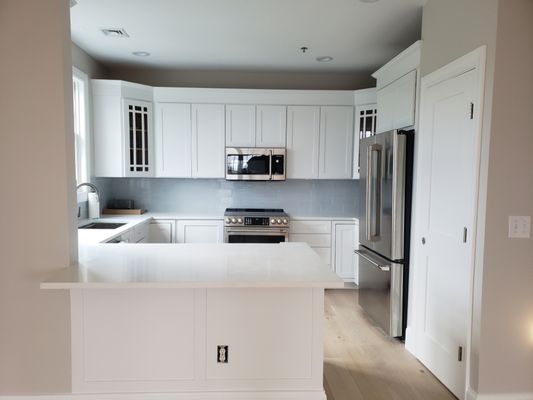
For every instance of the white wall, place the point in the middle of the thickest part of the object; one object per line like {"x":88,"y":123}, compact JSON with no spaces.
{"x":37,"y":231}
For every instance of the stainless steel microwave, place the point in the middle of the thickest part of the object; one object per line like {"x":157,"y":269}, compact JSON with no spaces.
{"x":255,"y":164}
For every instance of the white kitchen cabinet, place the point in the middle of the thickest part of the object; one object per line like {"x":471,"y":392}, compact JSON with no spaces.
{"x":344,"y":243}
{"x":271,"y":128}
{"x":303,"y":141}
{"x":122,"y":129}
{"x":336,"y":142}
{"x":140,"y":233}
{"x":396,"y":103}
{"x":200,"y":231}
{"x":208,"y":142}
{"x":316,"y":233}
{"x":240,"y":125}
{"x":173,"y":140}
{"x":365,"y":126}
{"x":162,"y":231}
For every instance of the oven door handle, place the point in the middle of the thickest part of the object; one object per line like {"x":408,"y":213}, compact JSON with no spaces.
{"x":270,"y":232}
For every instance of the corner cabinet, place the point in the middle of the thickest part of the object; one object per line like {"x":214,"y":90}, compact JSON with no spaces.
{"x":122,"y":129}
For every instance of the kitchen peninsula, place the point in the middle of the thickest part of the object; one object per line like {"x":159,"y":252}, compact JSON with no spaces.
{"x":239,"y":321}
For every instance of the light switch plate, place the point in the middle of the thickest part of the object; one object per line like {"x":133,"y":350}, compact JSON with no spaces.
{"x":519,"y":227}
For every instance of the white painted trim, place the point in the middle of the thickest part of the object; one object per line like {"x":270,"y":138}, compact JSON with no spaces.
{"x":406,"y":61}
{"x":87,"y":118}
{"x":471,"y":394}
{"x":473,"y":60}
{"x":292,"y":395}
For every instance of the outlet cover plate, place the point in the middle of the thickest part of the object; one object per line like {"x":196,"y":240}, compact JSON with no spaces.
{"x":519,"y":227}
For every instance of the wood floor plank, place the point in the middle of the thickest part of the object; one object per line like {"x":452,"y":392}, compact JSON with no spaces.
{"x":361,"y":363}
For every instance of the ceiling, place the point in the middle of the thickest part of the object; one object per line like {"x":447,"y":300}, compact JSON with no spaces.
{"x":252,"y":35}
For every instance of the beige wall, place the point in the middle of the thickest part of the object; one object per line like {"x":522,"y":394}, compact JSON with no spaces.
{"x":244,"y":79}
{"x":506,"y":352}
{"x":87,"y":64}
{"x":37,"y":232}
{"x":502,"y":340}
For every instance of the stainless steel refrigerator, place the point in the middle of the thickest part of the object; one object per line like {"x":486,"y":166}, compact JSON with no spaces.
{"x":385,"y":189}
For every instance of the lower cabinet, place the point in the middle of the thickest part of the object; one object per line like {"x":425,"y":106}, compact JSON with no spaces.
{"x":162,"y":231}
{"x":334,"y":241}
{"x":200,"y":231}
{"x":345,"y":239}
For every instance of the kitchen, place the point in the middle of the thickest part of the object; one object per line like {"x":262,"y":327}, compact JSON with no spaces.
{"x":319,"y":207}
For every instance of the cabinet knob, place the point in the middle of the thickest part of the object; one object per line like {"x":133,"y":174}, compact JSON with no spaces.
{"x":423,"y":240}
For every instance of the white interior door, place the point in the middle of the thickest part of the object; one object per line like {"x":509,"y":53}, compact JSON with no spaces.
{"x":445,"y":209}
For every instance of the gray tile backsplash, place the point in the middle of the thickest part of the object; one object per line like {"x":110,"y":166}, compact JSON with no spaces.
{"x":211,"y":196}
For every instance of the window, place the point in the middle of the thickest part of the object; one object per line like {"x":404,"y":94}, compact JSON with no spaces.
{"x":80,"y":95}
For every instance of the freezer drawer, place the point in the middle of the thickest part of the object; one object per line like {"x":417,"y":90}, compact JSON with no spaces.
{"x":381,"y":291}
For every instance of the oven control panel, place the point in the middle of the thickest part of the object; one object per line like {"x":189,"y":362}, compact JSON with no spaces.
{"x":257,"y":221}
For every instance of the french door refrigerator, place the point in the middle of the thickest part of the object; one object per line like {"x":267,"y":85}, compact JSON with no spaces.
{"x":385,"y":191}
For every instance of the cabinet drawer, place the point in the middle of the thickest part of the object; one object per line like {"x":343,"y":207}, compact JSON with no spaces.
{"x":140,"y":232}
{"x":324,"y":253}
{"x":313,"y":240}
{"x":310,"y":226}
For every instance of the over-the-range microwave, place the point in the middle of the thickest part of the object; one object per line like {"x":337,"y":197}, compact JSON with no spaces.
{"x":255,"y":164}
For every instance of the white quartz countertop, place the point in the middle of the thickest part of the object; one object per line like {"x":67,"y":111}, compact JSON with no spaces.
{"x":115,"y":266}
{"x":92,"y":236}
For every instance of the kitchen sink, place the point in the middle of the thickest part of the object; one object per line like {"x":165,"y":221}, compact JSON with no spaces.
{"x":102,"y":225}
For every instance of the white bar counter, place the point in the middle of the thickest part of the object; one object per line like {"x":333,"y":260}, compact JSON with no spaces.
{"x":119,"y":266}
{"x":149,"y":320}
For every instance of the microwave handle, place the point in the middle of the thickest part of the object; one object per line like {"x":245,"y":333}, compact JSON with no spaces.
{"x":270,"y":163}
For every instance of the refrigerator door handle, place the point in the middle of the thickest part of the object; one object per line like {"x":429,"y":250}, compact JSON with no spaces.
{"x":373,"y":194}
{"x":382,"y":267}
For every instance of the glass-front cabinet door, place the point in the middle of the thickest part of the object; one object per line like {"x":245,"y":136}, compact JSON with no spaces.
{"x":139,"y":138}
{"x":365,"y":126}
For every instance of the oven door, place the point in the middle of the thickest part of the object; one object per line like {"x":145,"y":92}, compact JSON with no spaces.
{"x":248,"y":164}
{"x":249,"y":235}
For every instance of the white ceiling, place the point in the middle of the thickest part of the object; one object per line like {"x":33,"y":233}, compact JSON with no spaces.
{"x":263,"y":35}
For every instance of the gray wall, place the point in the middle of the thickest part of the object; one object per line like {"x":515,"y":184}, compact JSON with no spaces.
{"x":87,"y":64}
{"x":38,"y":229}
{"x":244,"y":79}
{"x":212,"y":196}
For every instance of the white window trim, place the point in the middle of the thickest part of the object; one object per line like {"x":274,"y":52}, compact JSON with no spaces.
{"x":86,"y":153}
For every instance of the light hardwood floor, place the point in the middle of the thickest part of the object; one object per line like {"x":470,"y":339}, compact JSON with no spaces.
{"x":362,"y":363}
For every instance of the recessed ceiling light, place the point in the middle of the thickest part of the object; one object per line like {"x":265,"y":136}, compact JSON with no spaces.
{"x":141,"y":53}
{"x":324,"y":59}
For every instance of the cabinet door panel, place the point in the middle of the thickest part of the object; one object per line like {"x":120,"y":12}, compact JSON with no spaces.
{"x":344,"y":251}
{"x":209,"y":231}
{"x":271,"y":126}
{"x":208,"y":140}
{"x":139,"y":138}
{"x":161,"y":231}
{"x":303,"y":133}
{"x":405,"y":93}
{"x":336,"y":142}
{"x":173,"y":140}
{"x":386,"y":99}
{"x":240,"y":125}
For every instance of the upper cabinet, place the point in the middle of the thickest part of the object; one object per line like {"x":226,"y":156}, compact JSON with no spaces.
{"x":208,"y":140}
{"x":123,"y":129}
{"x":240,"y":125}
{"x":271,"y":125}
{"x":397,"y":90}
{"x":256,"y":126}
{"x":303,"y":137}
{"x":336,"y":140}
{"x":173,"y":140}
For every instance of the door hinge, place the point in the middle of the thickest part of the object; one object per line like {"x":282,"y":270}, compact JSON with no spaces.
{"x":460,"y":354}
{"x":465,"y":234}
{"x":471,"y":111}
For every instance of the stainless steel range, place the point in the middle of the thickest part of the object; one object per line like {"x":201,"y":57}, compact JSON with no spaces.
{"x":256,"y":225}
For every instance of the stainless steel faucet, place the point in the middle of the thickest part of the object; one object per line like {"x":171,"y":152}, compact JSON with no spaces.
{"x":95,"y":190}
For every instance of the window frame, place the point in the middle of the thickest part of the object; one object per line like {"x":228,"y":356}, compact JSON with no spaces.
{"x":81,"y":129}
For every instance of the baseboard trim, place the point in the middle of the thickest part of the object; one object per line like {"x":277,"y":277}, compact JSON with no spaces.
{"x":473,"y":395}
{"x":293,"y":395}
